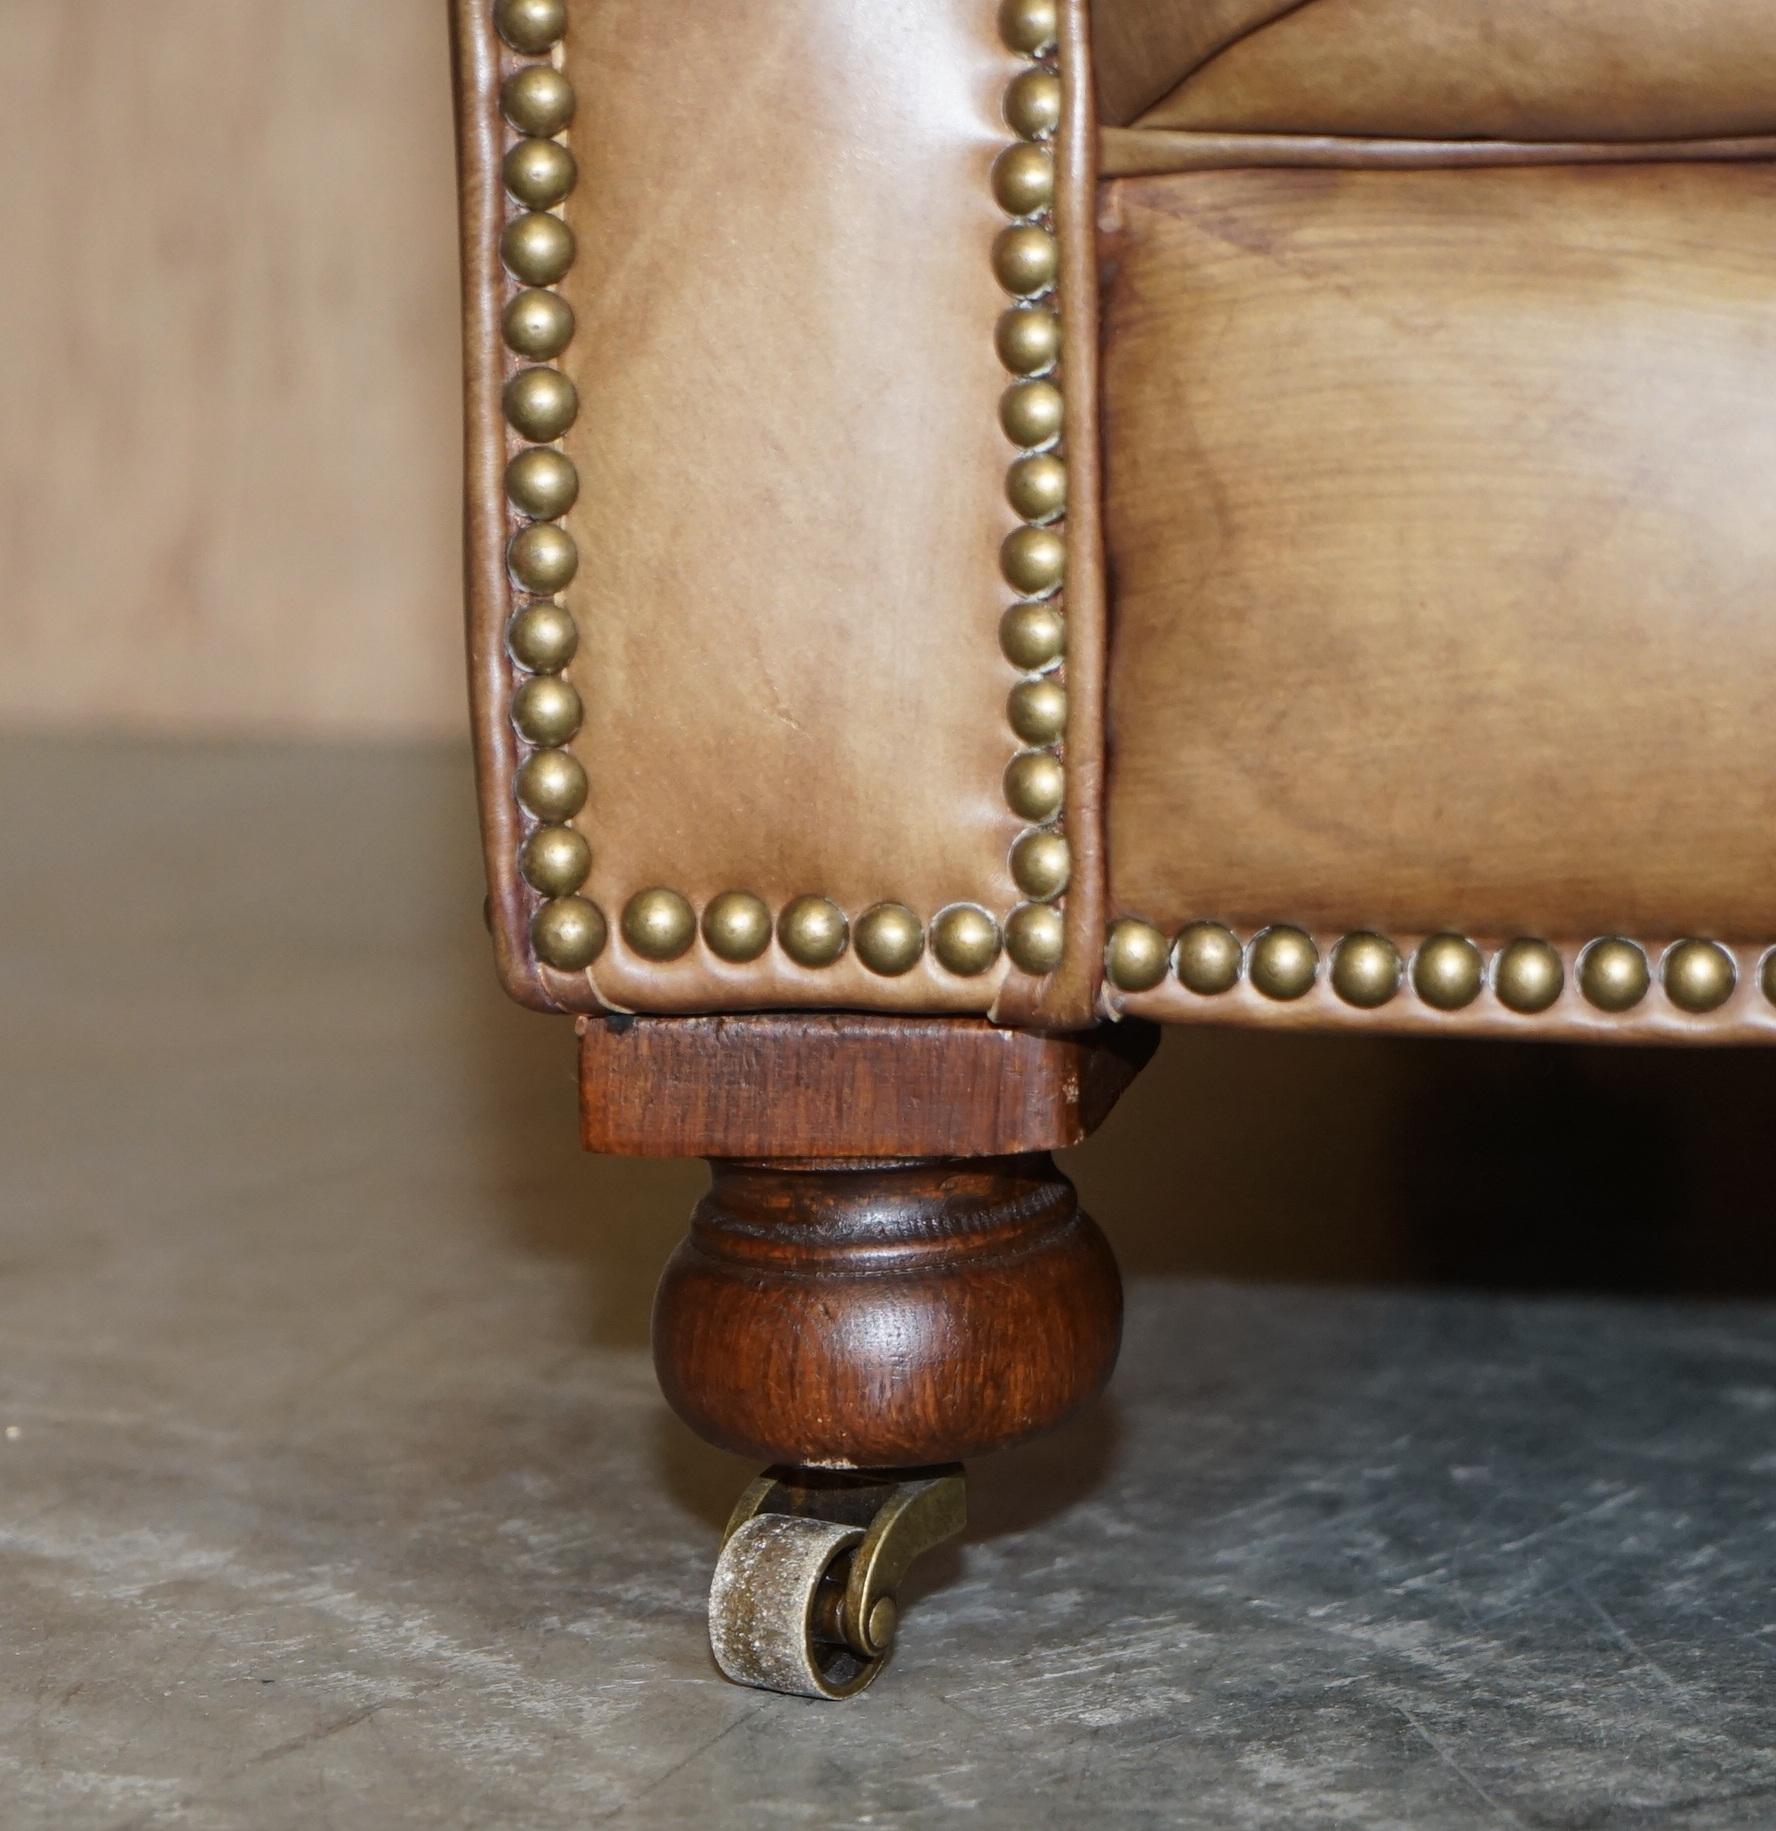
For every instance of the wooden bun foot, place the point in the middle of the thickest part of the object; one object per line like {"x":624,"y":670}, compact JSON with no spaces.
{"x":885,"y":1315}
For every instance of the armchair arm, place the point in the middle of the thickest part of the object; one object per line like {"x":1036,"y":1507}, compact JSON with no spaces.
{"x":766,"y":743}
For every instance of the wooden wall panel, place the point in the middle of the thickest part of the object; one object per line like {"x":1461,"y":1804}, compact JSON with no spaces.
{"x":229,"y":459}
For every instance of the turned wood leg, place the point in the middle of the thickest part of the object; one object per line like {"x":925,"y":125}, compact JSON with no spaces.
{"x":888,"y":1276}
{"x":886,"y":1315}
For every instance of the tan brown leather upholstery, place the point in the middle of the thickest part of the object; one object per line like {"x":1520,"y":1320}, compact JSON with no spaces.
{"x":1144,"y":48}
{"x":1444,"y":564}
{"x":1448,"y":69}
{"x":1437,"y":342}
{"x":790,"y":476}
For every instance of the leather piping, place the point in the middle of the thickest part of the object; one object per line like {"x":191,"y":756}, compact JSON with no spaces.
{"x":477,"y":55}
{"x":1145,"y":152}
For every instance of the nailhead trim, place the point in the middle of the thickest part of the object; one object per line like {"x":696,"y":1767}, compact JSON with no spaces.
{"x":1026,"y":261}
{"x":1026,"y":258}
{"x":567,"y":932}
{"x":1368,"y":971}
{"x":1034,"y":554}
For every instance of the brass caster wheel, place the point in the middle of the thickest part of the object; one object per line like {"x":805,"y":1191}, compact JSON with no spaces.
{"x":804,"y":1594}
{"x":773,"y":1608}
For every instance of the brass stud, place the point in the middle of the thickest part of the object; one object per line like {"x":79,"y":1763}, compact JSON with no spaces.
{"x":813,"y":931}
{"x":737,"y":926}
{"x":1036,"y":938}
{"x":1025,"y":260}
{"x":888,"y":939}
{"x":965,"y":940}
{"x":555,"y":860}
{"x":1032,"y":414}
{"x":1024,"y":180}
{"x":543,"y":483}
{"x":1029,"y":339}
{"x":541,"y":403}
{"x":1032,"y":636}
{"x":538,"y":325}
{"x":546,"y":710}
{"x":1033,"y":104}
{"x":1284,"y":963}
{"x":659,"y":924}
{"x":1037,"y":710}
{"x":539,"y":173}
{"x":538,"y":100}
{"x":537,"y":248}
{"x":1768,"y":976}
{"x":1033,"y":560}
{"x":551,"y":784}
{"x":1699,"y":976}
{"x":1614,"y":975}
{"x":1036,"y":488}
{"x":1035,"y":785}
{"x":1366,"y":970}
{"x":1042,"y":863}
{"x":531,"y":26}
{"x":1030,"y":26}
{"x":1528,"y":976}
{"x":568,"y":934}
{"x":543,"y":638}
{"x":1449,"y":972}
{"x":543,"y":557}
{"x":1208,"y":957}
{"x":1136,"y":955}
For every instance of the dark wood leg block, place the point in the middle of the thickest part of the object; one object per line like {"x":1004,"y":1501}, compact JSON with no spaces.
{"x":888,"y":1271}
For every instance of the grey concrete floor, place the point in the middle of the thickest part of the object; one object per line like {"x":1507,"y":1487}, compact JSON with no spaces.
{"x":335,"y":1491}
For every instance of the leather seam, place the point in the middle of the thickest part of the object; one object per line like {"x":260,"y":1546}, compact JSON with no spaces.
{"x":1245,"y":36}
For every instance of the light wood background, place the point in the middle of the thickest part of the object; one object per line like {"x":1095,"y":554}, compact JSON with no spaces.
{"x":229,"y":451}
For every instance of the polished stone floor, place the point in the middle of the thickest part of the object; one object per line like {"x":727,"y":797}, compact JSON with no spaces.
{"x":335,"y":1491}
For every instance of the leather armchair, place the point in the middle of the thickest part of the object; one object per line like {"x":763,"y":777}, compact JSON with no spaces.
{"x":993,"y":526}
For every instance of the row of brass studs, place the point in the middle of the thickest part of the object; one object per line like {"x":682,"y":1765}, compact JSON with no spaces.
{"x":888,"y":939}
{"x":1026,"y":262}
{"x":1448,"y":971}
{"x":567,"y":931}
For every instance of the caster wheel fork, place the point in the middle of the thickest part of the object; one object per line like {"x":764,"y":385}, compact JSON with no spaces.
{"x":804,"y":1596}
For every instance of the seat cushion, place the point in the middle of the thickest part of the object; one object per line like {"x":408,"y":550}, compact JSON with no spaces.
{"x":1442,"y":550}
{"x":1504,"y":69}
